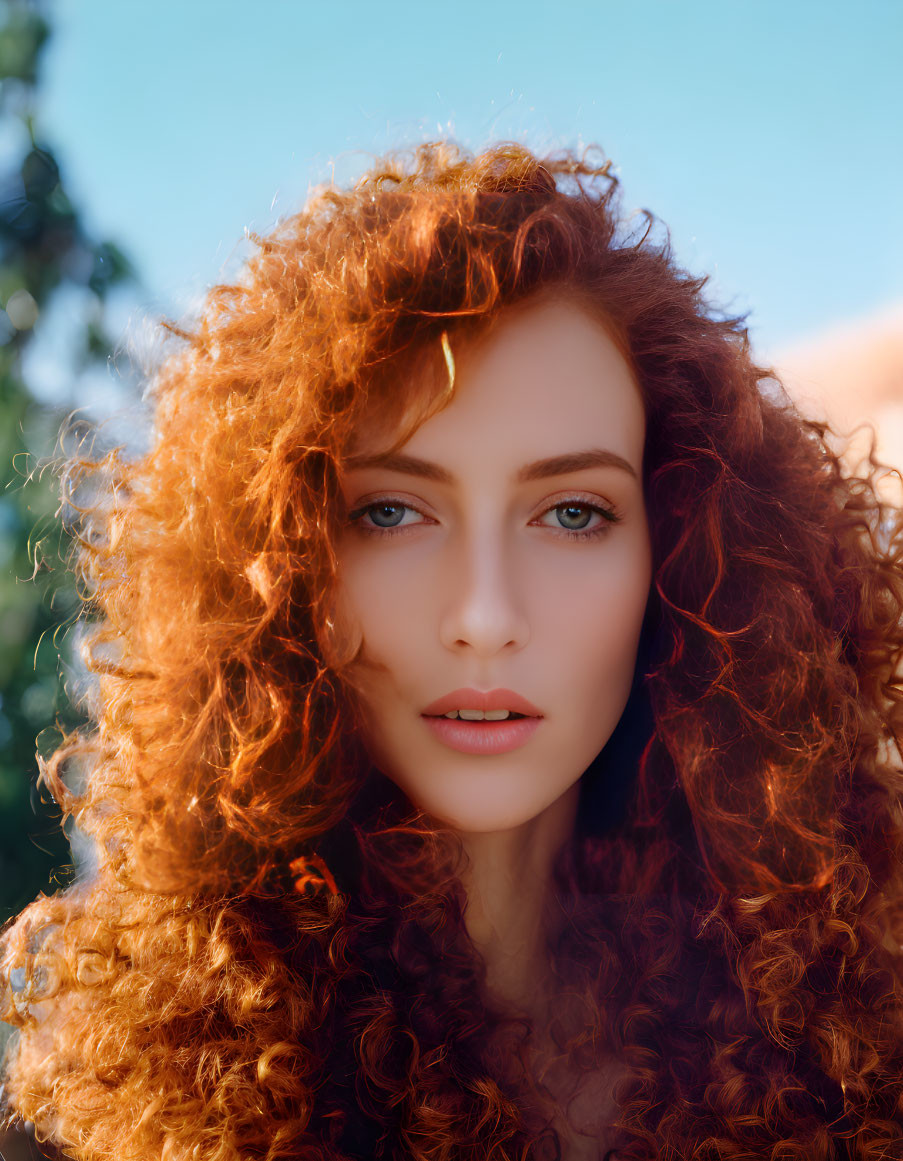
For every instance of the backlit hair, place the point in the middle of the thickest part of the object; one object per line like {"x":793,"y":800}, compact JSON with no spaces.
{"x":270,"y":960}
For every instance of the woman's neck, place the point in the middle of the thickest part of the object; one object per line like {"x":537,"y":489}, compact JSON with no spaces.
{"x":511,"y":910}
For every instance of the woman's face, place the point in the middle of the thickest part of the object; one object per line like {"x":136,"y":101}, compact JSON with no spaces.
{"x":478,"y":562}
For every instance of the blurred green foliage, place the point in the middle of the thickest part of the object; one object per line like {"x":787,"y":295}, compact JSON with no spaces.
{"x":44,"y":249}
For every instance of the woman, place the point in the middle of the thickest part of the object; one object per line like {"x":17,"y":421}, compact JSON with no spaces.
{"x":461,"y":441}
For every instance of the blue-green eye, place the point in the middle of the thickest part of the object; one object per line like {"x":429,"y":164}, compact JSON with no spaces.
{"x":584,"y":514}
{"x":387,"y":513}
{"x":581,"y":512}
{"x":393,"y":514}
{"x":388,"y":509}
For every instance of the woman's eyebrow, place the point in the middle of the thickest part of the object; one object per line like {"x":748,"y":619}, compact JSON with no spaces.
{"x":538,"y":470}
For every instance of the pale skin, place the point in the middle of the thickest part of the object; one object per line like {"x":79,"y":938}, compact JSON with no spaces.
{"x":482,"y":586}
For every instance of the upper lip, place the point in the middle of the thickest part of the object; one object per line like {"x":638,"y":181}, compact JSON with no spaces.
{"x":493,"y":699}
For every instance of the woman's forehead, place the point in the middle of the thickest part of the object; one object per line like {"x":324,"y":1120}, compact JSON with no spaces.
{"x":546,"y":381}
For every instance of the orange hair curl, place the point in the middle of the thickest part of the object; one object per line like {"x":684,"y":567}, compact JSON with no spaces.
{"x":270,"y":959}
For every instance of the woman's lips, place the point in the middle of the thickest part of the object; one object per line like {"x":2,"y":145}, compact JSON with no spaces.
{"x":486,"y":700}
{"x":482,"y":737}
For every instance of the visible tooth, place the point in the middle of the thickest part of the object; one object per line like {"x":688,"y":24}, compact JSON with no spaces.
{"x":478,"y":715}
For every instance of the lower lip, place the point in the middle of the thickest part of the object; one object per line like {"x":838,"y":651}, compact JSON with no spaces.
{"x":482,"y":737}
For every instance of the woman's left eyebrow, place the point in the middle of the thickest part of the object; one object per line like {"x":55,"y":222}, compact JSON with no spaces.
{"x":538,"y":470}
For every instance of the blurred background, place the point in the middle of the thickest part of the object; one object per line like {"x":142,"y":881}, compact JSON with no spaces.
{"x":140,"y":142}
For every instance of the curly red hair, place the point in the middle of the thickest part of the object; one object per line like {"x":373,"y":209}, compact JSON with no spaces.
{"x":270,"y":958}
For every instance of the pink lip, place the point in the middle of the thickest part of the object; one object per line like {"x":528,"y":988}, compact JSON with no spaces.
{"x":482,"y":737}
{"x":494,"y":699}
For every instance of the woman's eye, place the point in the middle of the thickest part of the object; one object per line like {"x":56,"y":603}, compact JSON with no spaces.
{"x":575,"y":518}
{"x":386,"y":515}
{"x":572,"y":518}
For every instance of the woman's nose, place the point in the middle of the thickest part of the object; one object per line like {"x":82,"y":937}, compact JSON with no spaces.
{"x":481,"y":596}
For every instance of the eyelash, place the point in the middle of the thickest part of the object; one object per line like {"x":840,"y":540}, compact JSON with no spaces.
{"x":612,"y":517}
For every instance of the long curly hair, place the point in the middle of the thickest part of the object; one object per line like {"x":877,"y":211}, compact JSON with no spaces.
{"x":269,"y":959}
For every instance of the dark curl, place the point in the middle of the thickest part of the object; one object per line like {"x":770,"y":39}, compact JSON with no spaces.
{"x":270,"y":960}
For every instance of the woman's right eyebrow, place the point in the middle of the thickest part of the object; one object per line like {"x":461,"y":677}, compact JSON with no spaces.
{"x":559,"y":465}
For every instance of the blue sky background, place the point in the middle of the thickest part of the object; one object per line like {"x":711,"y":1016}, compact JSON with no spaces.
{"x":765,"y":133}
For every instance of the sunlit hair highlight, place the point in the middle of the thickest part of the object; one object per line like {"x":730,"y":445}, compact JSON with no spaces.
{"x":270,"y":960}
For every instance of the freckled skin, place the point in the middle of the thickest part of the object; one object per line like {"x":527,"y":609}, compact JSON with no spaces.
{"x":483,"y":587}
